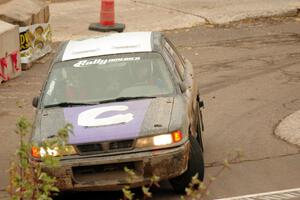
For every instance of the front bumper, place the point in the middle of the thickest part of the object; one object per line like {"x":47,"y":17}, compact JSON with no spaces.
{"x":107,"y":172}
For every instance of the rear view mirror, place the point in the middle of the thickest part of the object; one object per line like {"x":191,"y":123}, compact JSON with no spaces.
{"x":35,"y":101}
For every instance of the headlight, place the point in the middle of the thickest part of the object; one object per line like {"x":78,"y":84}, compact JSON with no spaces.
{"x":51,"y":152}
{"x":38,"y":152}
{"x":159,"y":140}
{"x":162,"y":140}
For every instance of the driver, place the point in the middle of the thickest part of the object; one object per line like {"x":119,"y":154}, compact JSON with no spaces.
{"x":143,"y":74}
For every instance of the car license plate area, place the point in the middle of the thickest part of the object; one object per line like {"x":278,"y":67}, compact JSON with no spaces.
{"x":105,"y":172}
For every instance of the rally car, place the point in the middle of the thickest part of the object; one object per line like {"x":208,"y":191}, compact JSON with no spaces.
{"x":133,"y":102}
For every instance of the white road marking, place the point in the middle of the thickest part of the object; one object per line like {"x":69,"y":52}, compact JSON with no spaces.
{"x":275,"y":195}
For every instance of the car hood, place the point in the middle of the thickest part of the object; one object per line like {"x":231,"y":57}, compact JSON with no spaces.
{"x":109,"y":122}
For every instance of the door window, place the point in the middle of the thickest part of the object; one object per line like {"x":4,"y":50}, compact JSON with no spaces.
{"x":177,"y":59}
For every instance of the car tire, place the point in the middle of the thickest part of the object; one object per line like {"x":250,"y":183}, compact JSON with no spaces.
{"x":199,"y":140}
{"x":195,"y":165}
{"x":199,"y":128}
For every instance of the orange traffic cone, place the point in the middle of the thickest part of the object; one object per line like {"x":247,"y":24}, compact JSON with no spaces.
{"x":107,"y":18}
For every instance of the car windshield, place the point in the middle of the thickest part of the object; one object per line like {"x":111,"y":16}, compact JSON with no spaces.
{"x":103,"y":78}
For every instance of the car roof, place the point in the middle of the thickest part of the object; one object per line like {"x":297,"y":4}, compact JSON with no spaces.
{"x":117,"y":43}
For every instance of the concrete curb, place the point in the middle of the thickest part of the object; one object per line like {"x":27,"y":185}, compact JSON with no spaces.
{"x":157,"y":15}
{"x":226,"y":13}
{"x":293,"y":12}
{"x":289,"y":128}
{"x":24,"y":12}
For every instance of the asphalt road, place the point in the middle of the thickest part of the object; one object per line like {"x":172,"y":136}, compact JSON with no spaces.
{"x":249,"y":77}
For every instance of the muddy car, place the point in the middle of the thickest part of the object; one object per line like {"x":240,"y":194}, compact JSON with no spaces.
{"x":133,"y":102}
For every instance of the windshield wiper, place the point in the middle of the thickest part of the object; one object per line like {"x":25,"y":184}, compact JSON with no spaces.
{"x":126,"y":99}
{"x":67,"y":104}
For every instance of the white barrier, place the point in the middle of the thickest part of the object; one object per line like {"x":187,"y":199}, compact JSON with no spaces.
{"x":10,"y":66}
{"x":35,"y":42}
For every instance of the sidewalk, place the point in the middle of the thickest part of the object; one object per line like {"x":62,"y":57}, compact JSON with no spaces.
{"x":70,"y":19}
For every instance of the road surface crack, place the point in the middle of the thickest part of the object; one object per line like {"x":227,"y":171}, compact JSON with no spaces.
{"x":220,"y":163}
{"x":292,"y":76}
{"x":172,"y":9}
{"x":208,"y":88}
{"x":250,"y":42}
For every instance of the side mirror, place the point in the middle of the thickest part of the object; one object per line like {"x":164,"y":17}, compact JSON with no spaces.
{"x":182,"y":87}
{"x":35,"y":101}
{"x":201,"y":104}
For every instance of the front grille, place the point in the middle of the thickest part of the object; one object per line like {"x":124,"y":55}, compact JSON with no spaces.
{"x":85,"y":148}
{"x":126,"y":144}
{"x":105,"y":147}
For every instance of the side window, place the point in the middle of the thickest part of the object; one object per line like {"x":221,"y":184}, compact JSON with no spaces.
{"x":178,"y":60}
{"x":171,"y":62}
